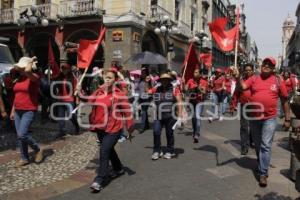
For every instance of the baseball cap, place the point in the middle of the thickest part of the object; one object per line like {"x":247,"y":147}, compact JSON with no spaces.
{"x":271,"y":60}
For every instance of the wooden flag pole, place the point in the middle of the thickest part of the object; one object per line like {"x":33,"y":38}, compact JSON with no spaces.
{"x":237,"y":38}
{"x":80,"y":81}
{"x":184,"y":71}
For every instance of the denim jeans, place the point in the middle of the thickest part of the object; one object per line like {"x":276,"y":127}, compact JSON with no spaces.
{"x":61,"y":112}
{"x":196,"y":120}
{"x":225,"y":104}
{"x":168,"y":123}
{"x":245,"y":131}
{"x":107,"y":153}
{"x":144,"y":116}
{"x":23,"y":120}
{"x":263,"y":133}
{"x":217,"y":100}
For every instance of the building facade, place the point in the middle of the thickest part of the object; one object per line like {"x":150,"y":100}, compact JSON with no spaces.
{"x":292,"y":59}
{"x":131,"y":28}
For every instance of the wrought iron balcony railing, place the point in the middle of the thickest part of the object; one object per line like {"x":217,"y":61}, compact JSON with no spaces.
{"x":9,"y":16}
{"x":49,"y":9}
{"x":76,"y":8}
{"x":156,"y":13}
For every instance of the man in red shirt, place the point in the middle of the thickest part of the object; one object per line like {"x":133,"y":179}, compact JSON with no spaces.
{"x":196,"y":88}
{"x":266,"y":89}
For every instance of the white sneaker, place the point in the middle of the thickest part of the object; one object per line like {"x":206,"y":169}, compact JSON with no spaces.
{"x":221,"y":118}
{"x":156,"y":155}
{"x":168,"y":155}
{"x":210,"y":119}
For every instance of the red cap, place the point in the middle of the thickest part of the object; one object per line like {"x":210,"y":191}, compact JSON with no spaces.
{"x":270,"y":59}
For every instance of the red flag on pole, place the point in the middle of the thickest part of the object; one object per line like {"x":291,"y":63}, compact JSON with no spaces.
{"x":51,"y":61}
{"x":225,"y":39}
{"x":206,"y":59}
{"x":87,"y":50}
{"x":191,"y":63}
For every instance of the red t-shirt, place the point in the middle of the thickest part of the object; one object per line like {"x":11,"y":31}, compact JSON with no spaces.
{"x":245,"y":95}
{"x":68,"y":95}
{"x":289,"y":84}
{"x":266,"y":92}
{"x":26,"y":94}
{"x":228,"y":83}
{"x":218,"y":84}
{"x":203,"y":83}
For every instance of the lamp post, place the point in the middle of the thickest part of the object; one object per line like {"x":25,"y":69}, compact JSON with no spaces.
{"x":36,"y":18}
{"x":165,"y":27}
{"x":202,"y":38}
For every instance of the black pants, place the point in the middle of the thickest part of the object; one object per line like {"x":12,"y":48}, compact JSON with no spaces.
{"x":107,"y":153}
{"x":245,"y":131}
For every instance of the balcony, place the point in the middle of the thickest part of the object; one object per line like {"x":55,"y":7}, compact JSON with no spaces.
{"x":49,"y":9}
{"x":156,"y":13}
{"x":76,"y":8}
{"x":9,"y":16}
{"x":184,"y":28}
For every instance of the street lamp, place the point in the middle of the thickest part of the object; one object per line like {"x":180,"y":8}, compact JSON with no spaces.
{"x":165,"y":27}
{"x":201,"y":37}
{"x":37,"y":17}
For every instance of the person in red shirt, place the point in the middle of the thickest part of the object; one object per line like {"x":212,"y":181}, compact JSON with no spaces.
{"x":64,"y":86}
{"x":25,"y":105}
{"x":265,"y":89}
{"x":218,"y":94}
{"x":290,"y":82}
{"x":243,"y":97}
{"x":110,"y":109}
{"x":196,"y":88}
{"x":165,"y":96}
{"x":228,"y":85}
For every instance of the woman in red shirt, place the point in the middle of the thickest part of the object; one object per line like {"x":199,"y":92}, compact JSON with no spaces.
{"x":218,"y":88}
{"x":111,"y":108}
{"x":25,"y":105}
{"x":64,"y":87}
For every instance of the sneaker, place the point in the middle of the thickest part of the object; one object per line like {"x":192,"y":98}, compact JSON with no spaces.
{"x":39,"y":156}
{"x":122,"y":139}
{"x":263,"y":182}
{"x":244,"y":151}
{"x":210,"y":119}
{"x":156,"y":155}
{"x":22,"y":163}
{"x":221,"y":118}
{"x":96,"y":187}
{"x":168,"y":155}
{"x":115,"y":174}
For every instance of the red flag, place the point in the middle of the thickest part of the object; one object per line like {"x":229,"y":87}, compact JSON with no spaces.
{"x":87,"y":50}
{"x":225,"y":39}
{"x":51,"y":61}
{"x":206,"y":59}
{"x":191,"y":63}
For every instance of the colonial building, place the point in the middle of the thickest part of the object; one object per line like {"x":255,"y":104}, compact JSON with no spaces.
{"x":130,"y":23}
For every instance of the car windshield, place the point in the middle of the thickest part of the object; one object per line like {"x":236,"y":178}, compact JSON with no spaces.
{"x":5,"y":55}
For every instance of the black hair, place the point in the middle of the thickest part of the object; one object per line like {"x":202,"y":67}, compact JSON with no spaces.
{"x":249,"y":65}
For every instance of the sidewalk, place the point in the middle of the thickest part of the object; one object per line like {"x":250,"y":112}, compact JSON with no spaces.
{"x":212,"y":169}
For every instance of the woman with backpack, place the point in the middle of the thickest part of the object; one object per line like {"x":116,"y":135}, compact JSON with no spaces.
{"x":165,"y":97}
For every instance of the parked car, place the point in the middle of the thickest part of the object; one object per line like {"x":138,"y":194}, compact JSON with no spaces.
{"x":6,"y":60}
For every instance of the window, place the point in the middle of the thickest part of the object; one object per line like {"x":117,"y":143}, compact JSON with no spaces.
{"x":7,"y":4}
{"x":177,"y":10}
{"x":38,"y":2}
{"x":192,"y":21}
{"x":153,"y":2}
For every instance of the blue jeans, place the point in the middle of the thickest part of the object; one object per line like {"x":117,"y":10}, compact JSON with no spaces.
{"x":196,"y":120}
{"x":263,"y":133}
{"x":107,"y":153}
{"x":61,"y":112}
{"x":144,"y":116}
{"x":23,"y":120}
{"x":157,"y":128}
{"x":217,"y":100}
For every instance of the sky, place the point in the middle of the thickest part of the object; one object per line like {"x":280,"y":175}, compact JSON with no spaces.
{"x":264,"y":20}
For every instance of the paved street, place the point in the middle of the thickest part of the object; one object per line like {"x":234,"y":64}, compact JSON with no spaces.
{"x":212,"y":169}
